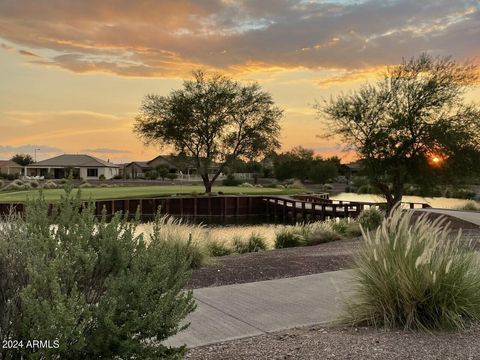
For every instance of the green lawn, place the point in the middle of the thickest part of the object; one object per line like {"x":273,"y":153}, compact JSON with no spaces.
{"x":141,"y":192}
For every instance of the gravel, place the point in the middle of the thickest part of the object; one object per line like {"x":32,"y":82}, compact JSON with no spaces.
{"x":347,"y":343}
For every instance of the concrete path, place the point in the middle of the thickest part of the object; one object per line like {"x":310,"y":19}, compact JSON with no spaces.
{"x":470,"y":216}
{"x":237,"y":311}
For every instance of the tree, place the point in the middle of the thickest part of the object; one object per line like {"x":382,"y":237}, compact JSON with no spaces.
{"x":322,"y":171}
{"x":22,"y":159}
{"x":412,"y":125}
{"x":162,"y":171}
{"x":211,"y":120}
{"x":293,"y":164}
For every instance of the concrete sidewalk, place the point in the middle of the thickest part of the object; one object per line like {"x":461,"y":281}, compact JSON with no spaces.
{"x":237,"y":311}
{"x":470,"y":216}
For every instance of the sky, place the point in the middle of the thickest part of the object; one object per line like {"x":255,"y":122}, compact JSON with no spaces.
{"x":73,"y":73}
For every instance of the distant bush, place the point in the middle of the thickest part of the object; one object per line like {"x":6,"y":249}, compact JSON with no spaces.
{"x":50,"y":185}
{"x":171,"y":176}
{"x":13,"y":187}
{"x":104,"y":185}
{"x":415,"y":276}
{"x":218,"y":248}
{"x":470,"y":206}
{"x":246,"y":184}
{"x":34,"y":184}
{"x":255,"y":242}
{"x":230,"y":181}
{"x":18,"y":182}
{"x":347,"y":227}
{"x":96,"y":287}
{"x":296,"y":184}
{"x":370,"y":219}
{"x":26,"y":186}
{"x":1,"y":183}
{"x":101,"y":177}
{"x":85,"y":185}
{"x":460,"y":193}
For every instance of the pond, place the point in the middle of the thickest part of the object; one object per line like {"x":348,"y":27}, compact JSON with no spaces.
{"x":436,"y":202}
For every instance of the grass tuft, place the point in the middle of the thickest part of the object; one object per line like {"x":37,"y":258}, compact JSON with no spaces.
{"x":415,"y":276}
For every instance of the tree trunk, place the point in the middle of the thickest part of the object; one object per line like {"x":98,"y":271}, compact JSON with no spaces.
{"x":396,"y":197}
{"x":207,"y":184}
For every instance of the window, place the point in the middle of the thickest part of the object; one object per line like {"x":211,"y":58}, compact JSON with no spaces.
{"x":92,"y":172}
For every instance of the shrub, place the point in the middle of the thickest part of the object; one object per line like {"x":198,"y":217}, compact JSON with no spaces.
{"x":1,"y":183}
{"x":50,"y":185}
{"x":13,"y":187}
{"x":230,"y":181}
{"x":171,"y":176}
{"x":370,"y":219}
{"x":18,"y":182}
{"x":254,"y":243}
{"x":34,"y":184}
{"x":85,"y":185}
{"x":92,"y":284}
{"x":297,"y":184}
{"x":289,"y":236}
{"x":470,"y":206}
{"x":218,"y":248}
{"x":321,"y":232}
{"x":415,"y":276}
{"x":101,"y":177}
{"x":246,"y":184}
{"x":104,"y":185}
{"x":26,"y":186}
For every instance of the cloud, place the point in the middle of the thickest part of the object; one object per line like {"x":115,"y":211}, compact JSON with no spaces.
{"x":27,"y":53}
{"x":6,"y":47}
{"x":105,"y":151}
{"x":10,"y":150}
{"x":168,"y":38}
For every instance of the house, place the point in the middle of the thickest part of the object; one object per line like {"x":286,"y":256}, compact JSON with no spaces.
{"x":10,"y":167}
{"x":83,"y":166}
{"x":176,"y":164}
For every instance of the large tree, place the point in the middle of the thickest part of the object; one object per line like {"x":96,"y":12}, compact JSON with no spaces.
{"x":414,"y":125}
{"x":211,"y":120}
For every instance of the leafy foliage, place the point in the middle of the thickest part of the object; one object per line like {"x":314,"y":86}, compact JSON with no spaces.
{"x":212,"y":119}
{"x":91,"y":284}
{"x":412,"y":126}
{"x":22,"y":159}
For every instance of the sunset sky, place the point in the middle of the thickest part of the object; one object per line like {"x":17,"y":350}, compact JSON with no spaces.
{"x":73,"y":73}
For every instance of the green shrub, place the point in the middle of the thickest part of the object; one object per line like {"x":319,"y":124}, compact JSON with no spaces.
{"x":297,"y":184}
{"x":1,"y":183}
{"x":230,"y":181}
{"x":85,"y":185}
{"x":246,"y":184}
{"x":92,"y":284}
{"x":218,"y":248}
{"x":370,"y":219}
{"x":289,"y":236}
{"x":255,"y":242}
{"x":415,"y":276}
{"x":101,"y":177}
{"x":171,"y":176}
{"x":104,"y":185}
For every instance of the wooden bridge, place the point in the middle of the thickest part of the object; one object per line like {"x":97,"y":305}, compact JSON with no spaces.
{"x":233,"y":208}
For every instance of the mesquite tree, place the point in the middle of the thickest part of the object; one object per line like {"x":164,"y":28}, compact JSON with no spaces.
{"x":212,"y":120}
{"x":412,"y":125}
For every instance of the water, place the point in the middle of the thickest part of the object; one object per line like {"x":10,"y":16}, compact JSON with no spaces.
{"x":435,"y":202}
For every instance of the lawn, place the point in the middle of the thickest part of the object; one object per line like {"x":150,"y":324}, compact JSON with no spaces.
{"x":141,"y":192}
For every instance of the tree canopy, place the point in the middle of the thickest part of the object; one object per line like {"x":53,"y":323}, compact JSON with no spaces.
{"x":213,"y":120}
{"x":412,"y":125}
{"x":22,"y":159}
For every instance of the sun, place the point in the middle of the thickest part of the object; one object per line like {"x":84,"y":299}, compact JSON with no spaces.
{"x":435,"y":160}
